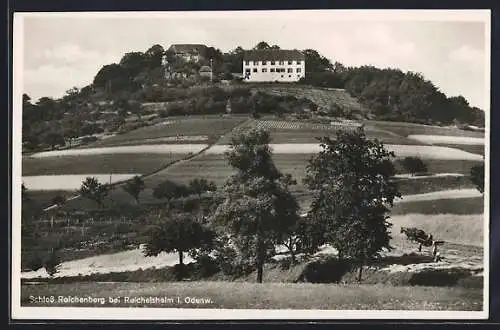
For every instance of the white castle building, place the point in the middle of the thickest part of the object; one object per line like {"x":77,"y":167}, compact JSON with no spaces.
{"x":271,"y":65}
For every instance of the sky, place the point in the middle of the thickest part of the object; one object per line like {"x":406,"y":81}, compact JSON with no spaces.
{"x":451,"y":49}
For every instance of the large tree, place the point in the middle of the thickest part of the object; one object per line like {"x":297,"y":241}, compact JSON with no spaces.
{"x":351,"y":177}
{"x":315,"y":62}
{"x":134,"y":187}
{"x":170,"y":190}
{"x":177,"y":232}
{"x":257,"y":208}
{"x":114,"y":78}
{"x":154,"y":56}
{"x":92,"y":189}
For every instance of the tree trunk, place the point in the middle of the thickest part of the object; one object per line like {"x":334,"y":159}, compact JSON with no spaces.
{"x":292,"y":251}
{"x":181,"y":257}
{"x":360,"y":272}
{"x":420,"y":247}
{"x":260,"y":261}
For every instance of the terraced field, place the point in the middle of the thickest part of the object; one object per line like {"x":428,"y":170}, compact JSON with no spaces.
{"x":199,"y":129}
{"x":142,"y":163}
{"x":455,"y":206}
{"x":405,"y":129}
{"x":285,"y":131}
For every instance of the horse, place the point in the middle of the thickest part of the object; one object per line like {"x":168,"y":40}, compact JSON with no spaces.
{"x":418,"y":236}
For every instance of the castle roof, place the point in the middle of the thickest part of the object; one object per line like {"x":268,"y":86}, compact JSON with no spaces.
{"x":273,"y":55}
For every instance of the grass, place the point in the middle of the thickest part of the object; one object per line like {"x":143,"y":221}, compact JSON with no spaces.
{"x":267,"y":296}
{"x":283,"y":131}
{"x":215,"y":167}
{"x":460,"y":229}
{"x":442,"y":166}
{"x":209,"y":126}
{"x":107,"y":163}
{"x":426,"y":185}
{"x":475,"y":149}
{"x":458,"y":206}
{"x":42,"y":199}
{"x":405,"y":129}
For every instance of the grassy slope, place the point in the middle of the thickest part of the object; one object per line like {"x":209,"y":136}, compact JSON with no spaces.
{"x":274,"y":295}
{"x":405,"y":129}
{"x":464,"y":229}
{"x":215,"y":167}
{"x":309,"y":132}
{"x":111,"y":163}
{"x":442,"y":166}
{"x":475,"y":149}
{"x":211,"y":126}
{"x":474,"y":205}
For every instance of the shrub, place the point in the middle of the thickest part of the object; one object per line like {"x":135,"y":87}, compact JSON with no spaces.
{"x":52,"y":263}
{"x":206,"y":266}
{"x":414,"y":165}
{"x":169,"y":189}
{"x":88,"y":139}
{"x":477,"y":177}
{"x":58,"y":200}
{"x":33,"y":261}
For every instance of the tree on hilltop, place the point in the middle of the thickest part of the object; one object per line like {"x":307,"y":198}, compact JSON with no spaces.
{"x":154,"y":56}
{"x":353,"y":194}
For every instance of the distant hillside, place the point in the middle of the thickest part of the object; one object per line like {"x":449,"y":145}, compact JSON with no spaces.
{"x":325,"y":99}
{"x":119,"y":89}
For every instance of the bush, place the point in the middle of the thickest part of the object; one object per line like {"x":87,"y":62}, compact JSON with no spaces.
{"x":229,"y":261}
{"x":477,"y":177}
{"x":58,"y":200}
{"x":52,"y":263}
{"x":33,"y":261}
{"x":206,"y":266}
{"x":88,"y":139}
{"x":414,"y":165}
{"x":240,"y":92}
{"x":169,"y":189}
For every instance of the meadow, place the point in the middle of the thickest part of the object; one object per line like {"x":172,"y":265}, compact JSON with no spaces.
{"x":457,"y":221}
{"x":406,"y":129}
{"x":458,"y":206}
{"x":105,"y":163}
{"x":211,"y":127}
{"x":269,"y":295}
{"x":475,"y":149}
{"x":448,"y":225}
{"x":284,"y":131}
{"x":214,"y":167}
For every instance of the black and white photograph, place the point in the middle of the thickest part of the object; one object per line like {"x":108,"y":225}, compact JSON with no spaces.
{"x":279,"y":164}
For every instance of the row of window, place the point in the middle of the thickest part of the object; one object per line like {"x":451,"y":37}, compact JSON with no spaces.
{"x":289,"y":70}
{"x":272,"y":62}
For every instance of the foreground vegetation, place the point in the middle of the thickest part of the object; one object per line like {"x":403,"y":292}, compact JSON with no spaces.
{"x":269,"y":295}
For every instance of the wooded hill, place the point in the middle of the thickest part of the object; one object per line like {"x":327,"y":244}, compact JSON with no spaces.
{"x":118,"y":89}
